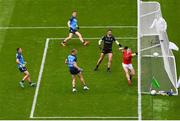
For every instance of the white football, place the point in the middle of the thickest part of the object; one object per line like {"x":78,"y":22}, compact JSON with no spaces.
{"x":156,"y":54}
{"x":153,"y":92}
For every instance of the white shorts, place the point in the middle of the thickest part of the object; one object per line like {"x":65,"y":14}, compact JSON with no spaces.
{"x":128,"y":66}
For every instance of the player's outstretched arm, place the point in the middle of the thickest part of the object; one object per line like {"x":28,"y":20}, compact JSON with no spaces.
{"x":66,"y":61}
{"x":121,"y":48}
{"x":118,"y":43}
{"x":135,"y":54}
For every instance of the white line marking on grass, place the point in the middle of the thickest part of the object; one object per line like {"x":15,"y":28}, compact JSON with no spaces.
{"x":39,"y":78}
{"x":98,"y":117}
{"x":139,"y":108}
{"x":125,"y":38}
{"x":65,"y":27}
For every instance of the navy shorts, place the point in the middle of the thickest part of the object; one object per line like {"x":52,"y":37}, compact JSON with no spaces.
{"x":72,"y":30}
{"x":22,"y":69}
{"x":74,"y":71}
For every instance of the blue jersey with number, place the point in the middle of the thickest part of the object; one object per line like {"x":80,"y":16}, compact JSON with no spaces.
{"x":19,"y":56}
{"x":71,"y":59}
{"x":73,"y":23}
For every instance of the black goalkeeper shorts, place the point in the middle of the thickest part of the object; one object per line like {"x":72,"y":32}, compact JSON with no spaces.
{"x":106,"y":51}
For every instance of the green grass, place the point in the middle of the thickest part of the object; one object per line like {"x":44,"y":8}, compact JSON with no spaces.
{"x":109,"y":94}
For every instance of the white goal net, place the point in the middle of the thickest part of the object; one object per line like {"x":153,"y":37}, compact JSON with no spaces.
{"x":157,"y":61}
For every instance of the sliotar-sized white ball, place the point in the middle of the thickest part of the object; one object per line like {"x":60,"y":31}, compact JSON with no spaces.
{"x":155,"y":54}
{"x":153,"y":92}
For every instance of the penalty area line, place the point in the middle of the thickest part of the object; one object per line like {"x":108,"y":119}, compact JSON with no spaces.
{"x":94,"y":38}
{"x":39,"y":78}
{"x":65,"y":27}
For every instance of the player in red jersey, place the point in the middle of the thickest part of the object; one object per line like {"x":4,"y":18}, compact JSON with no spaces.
{"x":127,"y":63}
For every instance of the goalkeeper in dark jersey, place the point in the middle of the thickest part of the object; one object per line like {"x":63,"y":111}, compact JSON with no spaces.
{"x":107,"y":40}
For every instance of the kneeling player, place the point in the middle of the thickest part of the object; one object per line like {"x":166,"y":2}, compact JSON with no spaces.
{"x":127,"y":63}
{"x":21,"y":66}
{"x":73,"y":30}
{"x":107,"y":40}
{"x":75,"y":70}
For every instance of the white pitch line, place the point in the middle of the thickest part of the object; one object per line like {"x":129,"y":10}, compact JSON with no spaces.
{"x":139,"y":108}
{"x":125,"y":38}
{"x":39,"y":78}
{"x":65,"y":27}
{"x":98,"y":117}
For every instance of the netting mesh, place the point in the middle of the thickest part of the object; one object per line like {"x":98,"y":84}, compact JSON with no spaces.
{"x":148,"y":14}
{"x":162,"y":67}
{"x":153,"y":66}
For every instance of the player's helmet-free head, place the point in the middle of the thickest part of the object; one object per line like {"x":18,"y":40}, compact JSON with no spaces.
{"x":74,"y":13}
{"x":74,"y":51}
{"x":126,"y":47}
{"x":109,"y":32}
{"x":19,"y":50}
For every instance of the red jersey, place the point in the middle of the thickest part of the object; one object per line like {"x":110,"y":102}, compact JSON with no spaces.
{"x":127,"y":56}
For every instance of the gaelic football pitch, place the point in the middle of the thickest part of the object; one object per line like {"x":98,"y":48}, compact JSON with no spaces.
{"x":38,"y":27}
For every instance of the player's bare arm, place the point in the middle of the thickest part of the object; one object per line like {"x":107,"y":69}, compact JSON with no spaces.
{"x":100,"y":43}
{"x":134,"y":54}
{"x":68,"y":23}
{"x":66,"y":61}
{"x":17,"y":61}
{"x":76,"y":66}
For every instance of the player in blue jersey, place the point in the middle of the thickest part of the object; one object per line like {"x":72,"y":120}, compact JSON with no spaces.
{"x":22,"y":67}
{"x":75,"y":70}
{"x":73,"y":30}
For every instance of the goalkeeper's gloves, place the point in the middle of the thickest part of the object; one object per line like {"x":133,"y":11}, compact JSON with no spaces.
{"x":120,"y":45}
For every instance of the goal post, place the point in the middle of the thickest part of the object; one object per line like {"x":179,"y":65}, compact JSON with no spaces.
{"x":157,"y":61}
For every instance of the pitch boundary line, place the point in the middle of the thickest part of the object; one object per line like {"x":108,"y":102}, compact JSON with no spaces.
{"x":65,"y":27}
{"x":98,"y":117}
{"x":38,"y":86}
